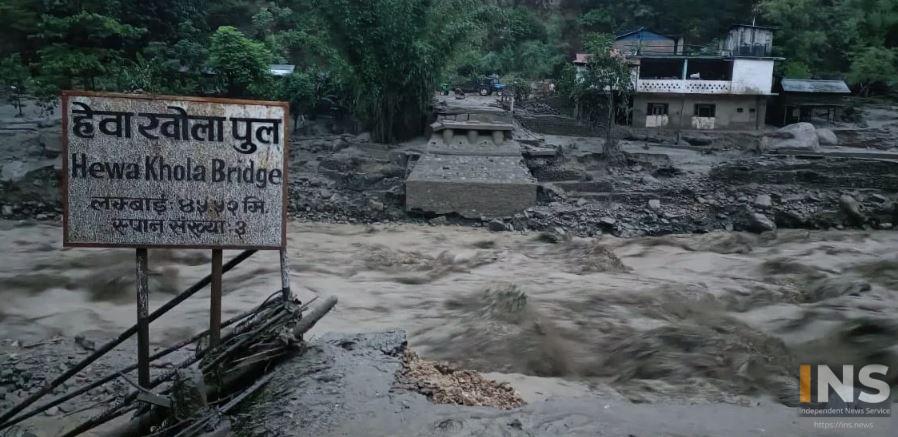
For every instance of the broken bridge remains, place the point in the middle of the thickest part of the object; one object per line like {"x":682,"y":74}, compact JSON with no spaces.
{"x":472,"y":167}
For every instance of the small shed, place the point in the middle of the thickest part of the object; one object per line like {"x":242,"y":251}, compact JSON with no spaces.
{"x":749,"y":40}
{"x":810,"y":100}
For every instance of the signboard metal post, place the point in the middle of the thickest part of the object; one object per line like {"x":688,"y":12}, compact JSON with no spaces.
{"x":215,"y":308}
{"x":285,"y":276}
{"x":143,"y":322}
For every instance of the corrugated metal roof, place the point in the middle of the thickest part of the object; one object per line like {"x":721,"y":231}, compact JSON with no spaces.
{"x":642,"y":33}
{"x":754,"y":26}
{"x":815,"y":86}
{"x":281,"y":69}
{"x":581,"y":58}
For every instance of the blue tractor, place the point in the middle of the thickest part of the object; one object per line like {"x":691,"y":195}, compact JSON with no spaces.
{"x":488,"y":85}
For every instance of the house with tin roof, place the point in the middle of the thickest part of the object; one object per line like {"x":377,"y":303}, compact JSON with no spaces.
{"x":712,"y":87}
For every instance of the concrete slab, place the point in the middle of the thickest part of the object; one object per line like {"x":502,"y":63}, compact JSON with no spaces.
{"x":473,"y":134}
{"x":495,"y":143}
{"x":472,"y":186}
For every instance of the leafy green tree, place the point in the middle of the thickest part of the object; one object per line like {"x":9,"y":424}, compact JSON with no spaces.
{"x":395,"y":49}
{"x":262,"y":23}
{"x":179,"y":67}
{"x":796,"y":69}
{"x":517,"y":25}
{"x":162,"y":19}
{"x":696,"y":20}
{"x":83,"y":47}
{"x":300,"y":90}
{"x":20,"y":19}
{"x":544,"y":60}
{"x":873,"y":66}
{"x":824,"y":37}
{"x":804,"y":34}
{"x":597,"y":20}
{"x":240,"y":62}
{"x":14,"y":78}
{"x":605,"y":77}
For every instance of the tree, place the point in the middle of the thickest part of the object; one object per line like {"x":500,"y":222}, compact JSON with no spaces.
{"x":20,"y":19}
{"x":14,"y":77}
{"x":606,"y":76}
{"x":241,"y":63}
{"x":178,"y":66}
{"x":806,"y":33}
{"x":795,"y":69}
{"x":82,"y":46}
{"x":394,"y":50}
{"x":300,"y":90}
{"x":872,"y":66}
{"x":828,"y":37}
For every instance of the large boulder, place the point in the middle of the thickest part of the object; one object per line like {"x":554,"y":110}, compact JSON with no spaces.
{"x":852,"y":210}
{"x":763,"y":201}
{"x":798,"y":136}
{"x":759,"y":223}
{"x":746,"y":219}
{"x":826,"y":137}
{"x":698,"y":139}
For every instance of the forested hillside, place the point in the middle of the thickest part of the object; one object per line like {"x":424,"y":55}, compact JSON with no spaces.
{"x":383,"y":58}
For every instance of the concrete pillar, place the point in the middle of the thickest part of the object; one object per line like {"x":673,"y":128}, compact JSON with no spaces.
{"x":472,"y":136}
{"x":498,"y":137}
{"x":447,"y":136}
{"x":685,"y":68}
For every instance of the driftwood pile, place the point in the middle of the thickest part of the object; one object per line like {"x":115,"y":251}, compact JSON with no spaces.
{"x":444,"y":383}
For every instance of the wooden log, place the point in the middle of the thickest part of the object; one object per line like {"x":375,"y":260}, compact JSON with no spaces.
{"x":87,"y":387}
{"x":313,"y":316}
{"x":139,"y":425}
{"x":102,"y":350}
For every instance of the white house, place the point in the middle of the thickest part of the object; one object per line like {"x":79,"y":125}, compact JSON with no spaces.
{"x":723,"y":87}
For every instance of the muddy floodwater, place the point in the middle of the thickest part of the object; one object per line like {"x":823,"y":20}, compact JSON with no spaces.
{"x":719,"y":317}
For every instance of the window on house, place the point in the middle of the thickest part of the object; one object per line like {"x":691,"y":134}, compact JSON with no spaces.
{"x":739,"y":110}
{"x":705,"y":110}
{"x":752,"y":110}
{"x":657,"y":109}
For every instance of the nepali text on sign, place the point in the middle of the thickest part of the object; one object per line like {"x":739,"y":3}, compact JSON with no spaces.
{"x":162,"y":171}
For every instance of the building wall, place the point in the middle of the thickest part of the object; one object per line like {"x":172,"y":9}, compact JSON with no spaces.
{"x":752,"y":76}
{"x":681,"y":110}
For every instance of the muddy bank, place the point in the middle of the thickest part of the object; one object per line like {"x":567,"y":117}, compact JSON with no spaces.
{"x":662,"y":189}
{"x":346,"y":385}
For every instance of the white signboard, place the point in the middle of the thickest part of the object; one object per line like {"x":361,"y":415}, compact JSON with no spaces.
{"x":165,"y":171}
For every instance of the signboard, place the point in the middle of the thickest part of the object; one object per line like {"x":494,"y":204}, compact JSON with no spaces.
{"x":166,"y":171}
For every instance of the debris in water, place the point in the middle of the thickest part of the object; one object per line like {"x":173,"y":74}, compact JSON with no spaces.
{"x":444,"y":383}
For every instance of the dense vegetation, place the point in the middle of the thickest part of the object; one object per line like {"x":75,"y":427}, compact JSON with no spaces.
{"x":381,"y":58}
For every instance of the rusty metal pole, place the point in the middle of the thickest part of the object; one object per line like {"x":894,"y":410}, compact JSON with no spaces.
{"x":143,"y":320}
{"x":215,"y":310}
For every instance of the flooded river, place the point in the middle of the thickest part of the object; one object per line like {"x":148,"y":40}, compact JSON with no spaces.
{"x":716,"y":317}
